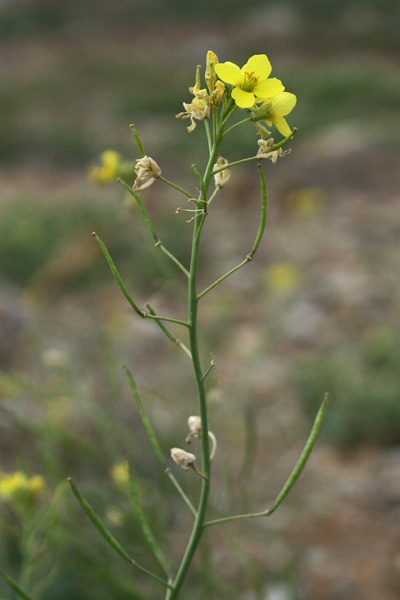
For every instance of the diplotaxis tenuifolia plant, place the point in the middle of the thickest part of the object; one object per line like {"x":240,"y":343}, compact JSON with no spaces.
{"x":262,"y":103}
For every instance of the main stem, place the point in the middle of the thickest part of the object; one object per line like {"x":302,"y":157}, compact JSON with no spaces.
{"x":198,"y":525}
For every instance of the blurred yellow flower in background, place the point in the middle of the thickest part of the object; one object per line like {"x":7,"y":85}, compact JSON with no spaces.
{"x":115,"y":516}
{"x":18,"y":485}
{"x":305,"y":201}
{"x":109,"y":168}
{"x":120,"y":473}
{"x":283,"y":277}
{"x":251,"y":81}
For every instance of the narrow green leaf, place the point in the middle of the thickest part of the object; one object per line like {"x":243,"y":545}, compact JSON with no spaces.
{"x":263,"y":216}
{"x":141,"y":207}
{"x":108,"y":536}
{"x":141,"y":517}
{"x":303,"y":458}
{"x":14,"y":586}
{"x":153,"y":440}
{"x":116,"y":275}
{"x":138,"y":141}
{"x":98,"y":523}
{"x":145,"y":419}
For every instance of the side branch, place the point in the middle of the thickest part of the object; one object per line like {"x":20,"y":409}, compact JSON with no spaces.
{"x":260,"y":233}
{"x":169,"y":334}
{"x":292,"y":477}
{"x":153,"y":440}
{"x":14,"y":586}
{"x":125,"y":292}
{"x":253,"y":158}
{"x":108,"y":536}
{"x":149,"y":224}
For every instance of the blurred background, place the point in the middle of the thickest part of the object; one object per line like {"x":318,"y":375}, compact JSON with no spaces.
{"x":316,"y":311}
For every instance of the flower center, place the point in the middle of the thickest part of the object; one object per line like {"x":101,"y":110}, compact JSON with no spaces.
{"x":250,"y":81}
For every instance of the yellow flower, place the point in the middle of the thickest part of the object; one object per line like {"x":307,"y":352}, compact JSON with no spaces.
{"x":251,"y":81}
{"x":120,"y":473}
{"x":109,"y":169}
{"x":273,"y":111}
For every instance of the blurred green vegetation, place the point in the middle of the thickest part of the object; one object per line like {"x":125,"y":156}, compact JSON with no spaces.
{"x":364,"y":386}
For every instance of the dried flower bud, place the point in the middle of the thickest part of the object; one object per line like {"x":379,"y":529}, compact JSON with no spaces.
{"x":182,"y":458}
{"x":217,"y":94}
{"x":194,"y":424}
{"x":199,"y":109}
{"x":264,"y":150}
{"x":147,"y":171}
{"x":222,"y":177}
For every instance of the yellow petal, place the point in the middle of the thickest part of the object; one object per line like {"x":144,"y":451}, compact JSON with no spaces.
{"x":259,"y":64}
{"x":268,"y":88}
{"x":230,"y":73}
{"x":281,"y":125}
{"x":284,"y":103}
{"x":243,"y":99}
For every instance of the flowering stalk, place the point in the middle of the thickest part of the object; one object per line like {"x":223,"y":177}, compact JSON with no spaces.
{"x":228,"y":89}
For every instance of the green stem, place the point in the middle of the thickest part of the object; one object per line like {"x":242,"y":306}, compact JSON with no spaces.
{"x":208,"y":133}
{"x":192,"y":310}
{"x":234,"y":518}
{"x":14,"y":586}
{"x":236,"y":162}
{"x":210,"y":367}
{"x":215,"y":192}
{"x":168,"y":319}
{"x":236,"y":125}
{"x":220,"y":279}
{"x":176,"y":187}
{"x":169,"y":334}
{"x":253,"y":158}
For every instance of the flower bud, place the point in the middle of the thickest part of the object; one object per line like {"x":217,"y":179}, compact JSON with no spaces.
{"x":182,"y":458}
{"x":217,"y":94}
{"x":147,"y":171}
{"x":262,"y":112}
{"x":222,"y":177}
{"x":194,"y":424}
{"x":211,"y":61}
